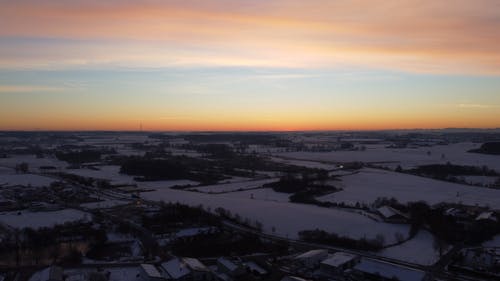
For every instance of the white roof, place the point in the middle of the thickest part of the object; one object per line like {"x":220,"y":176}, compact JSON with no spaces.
{"x":228,"y":264}
{"x":151,"y":270}
{"x":195,"y":264}
{"x":388,"y":211}
{"x":338,"y":259}
{"x":312,"y":253}
{"x":486,"y":216}
{"x":388,"y":270}
{"x":175,"y":268}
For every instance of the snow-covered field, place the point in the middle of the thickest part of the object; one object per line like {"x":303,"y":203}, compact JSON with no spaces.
{"x":418,"y":250}
{"x":25,"y":179}
{"x":41,"y":219}
{"x":33,"y":162}
{"x":407,"y":157}
{"x":6,"y":171}
{"x":369,"y":184}
{"x":286,"y":218}
{"x":263,"y":194}
{"x":227,"y":187}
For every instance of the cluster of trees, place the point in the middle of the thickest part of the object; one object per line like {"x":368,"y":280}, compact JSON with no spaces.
{"x":488,"y":148}
{"x":172,"y":215}
{"x":22,"y":168}
{"x":37,"y":246}
{"x":225,"y":244}
{"x":443,"y":171}
{"x":224,"y":162}
{"x":79,"y":157}
{"x":226,"y":214}
{"x":77,"y":179}
{"x":171,"y":168}
{"x":326,"y":238}
{"x":242,"y":138}
{"x":445,"y":227}
{"x":305,"y":187}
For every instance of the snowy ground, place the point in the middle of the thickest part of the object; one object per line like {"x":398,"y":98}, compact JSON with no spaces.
{"x":418,"y":250}
{"x":286,"y":218}
{"x":369,"y":184}
{"x":407,"y":157}
{"x":263,"y":194}
{"x":41,"y":219}
{"x":25,"y":179}
{"x":33,"y":162}
{"x":6,"y":171}
{"x":227,"y":187}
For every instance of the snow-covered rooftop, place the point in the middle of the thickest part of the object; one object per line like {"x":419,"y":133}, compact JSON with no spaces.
{"x":151,"y":270}
{"x":175,"y":268}
{"x":389,"y":270}
{"x":338,"y":259}
{"x":486,"y":216}
{"x":388,"y":211}
{"x":195,"y":264}
{"x":312,"y":254}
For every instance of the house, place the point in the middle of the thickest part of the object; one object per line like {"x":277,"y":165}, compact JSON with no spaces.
{"x":229,"y":267}
{"x":338,"y":262}
{"x":486,"y":216}
{"x":149,"y":272}
{"x":368,"y":269}
{"x":186,"y":269}
{"x":311,"y":259}
{"x":392,"y":215}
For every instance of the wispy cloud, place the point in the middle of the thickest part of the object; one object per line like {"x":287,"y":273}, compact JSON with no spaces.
{"x":477,"y":105}
{"x":28,"y":89}
{"x":458,"y":36}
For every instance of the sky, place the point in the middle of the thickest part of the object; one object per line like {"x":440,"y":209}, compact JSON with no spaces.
{"x":249,"y":65}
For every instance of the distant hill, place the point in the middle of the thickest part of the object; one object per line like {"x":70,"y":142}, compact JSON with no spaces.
{"x":488,"y":148}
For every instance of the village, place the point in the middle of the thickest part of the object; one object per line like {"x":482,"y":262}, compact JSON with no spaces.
{"x":90,"y":206}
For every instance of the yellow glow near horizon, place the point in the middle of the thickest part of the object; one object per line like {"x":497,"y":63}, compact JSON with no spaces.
{"x":249,"y":65}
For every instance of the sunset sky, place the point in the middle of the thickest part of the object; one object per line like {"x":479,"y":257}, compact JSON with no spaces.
{"x":249,"y":65}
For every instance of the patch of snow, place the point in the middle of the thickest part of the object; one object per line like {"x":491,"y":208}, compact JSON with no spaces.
{"x":420,"y":250}
{"x":286,"y":218}
{"x":369,"y":184}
